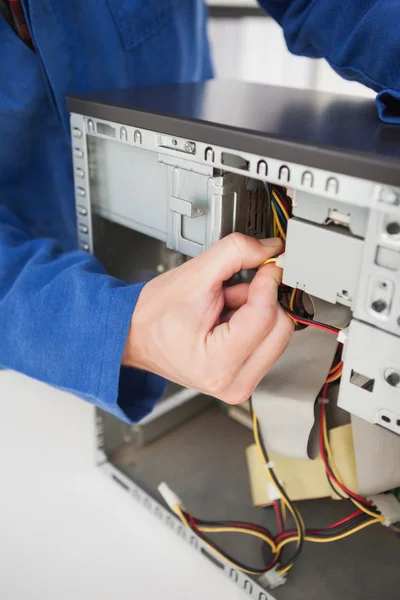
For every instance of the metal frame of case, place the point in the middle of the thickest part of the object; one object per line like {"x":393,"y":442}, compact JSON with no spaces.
{"x":361,"y":181}
{"x":243,"y":581}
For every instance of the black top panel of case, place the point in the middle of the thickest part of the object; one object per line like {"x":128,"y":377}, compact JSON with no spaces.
{"x":326,"y":131}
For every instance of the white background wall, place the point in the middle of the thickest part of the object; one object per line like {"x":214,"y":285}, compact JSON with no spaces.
{"x":254,"y":49}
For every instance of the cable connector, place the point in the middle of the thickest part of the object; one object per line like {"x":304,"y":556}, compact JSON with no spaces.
{"x":280,"y":261}
{"x":272,"y":579}
{"x":273,"y":492}
{"x":169,"y":497}
{"x":388,"y":506}
{"x":343,"y":335}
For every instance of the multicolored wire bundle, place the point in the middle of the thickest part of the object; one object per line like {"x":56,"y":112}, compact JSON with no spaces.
{"x":281,"y":207}
{"x":277,"y":545}
{"x":365,"y":515}
{"x":292,"y":300}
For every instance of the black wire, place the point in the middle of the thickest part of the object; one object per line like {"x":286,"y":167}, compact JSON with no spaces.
{"x":241,"y":524}
{"x":312,"y":321}
{"x":340,"y":529}
{"x":283,"y":197}
{"x":300,"y":308}
{"x":339,"y":493}
{"x":269,"y":204}
{"x":227,"y":556}
{"x":364,"y":503}
{"x":283,"y":493}
{"x":333,"y":532}
{"x":338,"y":355}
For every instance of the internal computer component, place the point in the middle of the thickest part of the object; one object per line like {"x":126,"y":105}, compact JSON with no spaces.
{"x":162,"y":174}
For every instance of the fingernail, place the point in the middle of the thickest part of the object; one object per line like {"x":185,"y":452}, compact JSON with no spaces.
{"x":270,"y":242}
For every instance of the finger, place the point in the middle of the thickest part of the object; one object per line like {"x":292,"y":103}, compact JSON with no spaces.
{"x":261,"y":360}
{"x":252,"y":322}
{"x":227,"y":316}
{"x":232,"y":254}
{"x":236,"y":295}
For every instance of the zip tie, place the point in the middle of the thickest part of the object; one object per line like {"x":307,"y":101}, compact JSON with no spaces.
{"x":323,"y":401}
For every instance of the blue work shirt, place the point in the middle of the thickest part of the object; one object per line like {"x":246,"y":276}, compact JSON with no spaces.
{"x":63,"y":319}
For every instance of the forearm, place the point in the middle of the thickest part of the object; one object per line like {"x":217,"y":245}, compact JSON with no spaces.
{"x":64,"y":321}
{"x":359,"y":39}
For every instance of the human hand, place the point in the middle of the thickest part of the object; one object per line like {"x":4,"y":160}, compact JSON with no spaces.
{"x":218,"y":340}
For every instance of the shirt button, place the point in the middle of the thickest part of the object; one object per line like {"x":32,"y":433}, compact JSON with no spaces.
{"x":80,"y":173}
{"x":84,"y":246}
{"x":81,"y":192}
{"x":78,"y":153}
{"x":83,"y":228}
{"x":76,"y":132}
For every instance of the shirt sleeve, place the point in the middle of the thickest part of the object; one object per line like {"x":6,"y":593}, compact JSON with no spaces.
{"x":359,"y":39}
{"x":64,"y":321}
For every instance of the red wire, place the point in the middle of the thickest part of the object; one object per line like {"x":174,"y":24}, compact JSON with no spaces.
{"x":192,"y":521}
{"x":316,"y":531}
{"x":346,"y":520}
{"x":335,"y":376}
{"x":278,"y":516}
{"x":336,"y":367}
{"x":314,"y":324}
{"x":246,"y":526}
{"x":322,"y":452}
{"x":233,"y":524}
{"x":285,"y":534}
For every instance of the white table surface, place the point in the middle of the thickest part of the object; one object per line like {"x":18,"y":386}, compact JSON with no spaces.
{"x":66,"y":531}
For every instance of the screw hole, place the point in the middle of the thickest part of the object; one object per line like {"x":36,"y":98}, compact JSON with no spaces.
{"x":393,"y":379}
{"x":393,"y":228}
{"x":379,"y":306}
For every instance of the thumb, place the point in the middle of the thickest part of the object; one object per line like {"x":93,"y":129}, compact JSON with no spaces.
{"x":252,"y":322}
{"x":234,"y":253}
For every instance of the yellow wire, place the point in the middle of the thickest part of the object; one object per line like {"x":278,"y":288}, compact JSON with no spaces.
{"x":337,"y":367}
{"x":334,"y":378}
{"x":292,"y":297}
{"x":317,"y":540}
{"x":276,"y":549}
{"x":278,"y":201}
{"x":285,"y":569}
{"x":379,"y":518}
{"x":329,"y":451}
{"x":267,"y":262}
{"x":278,"y":223}
{"x":177,"y":509}
{"x":337,"y":475}
{"x":221,"y":529}
{"x":293,"y":319}
{"x":297,"y":518}
{"x":275,"y":229}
